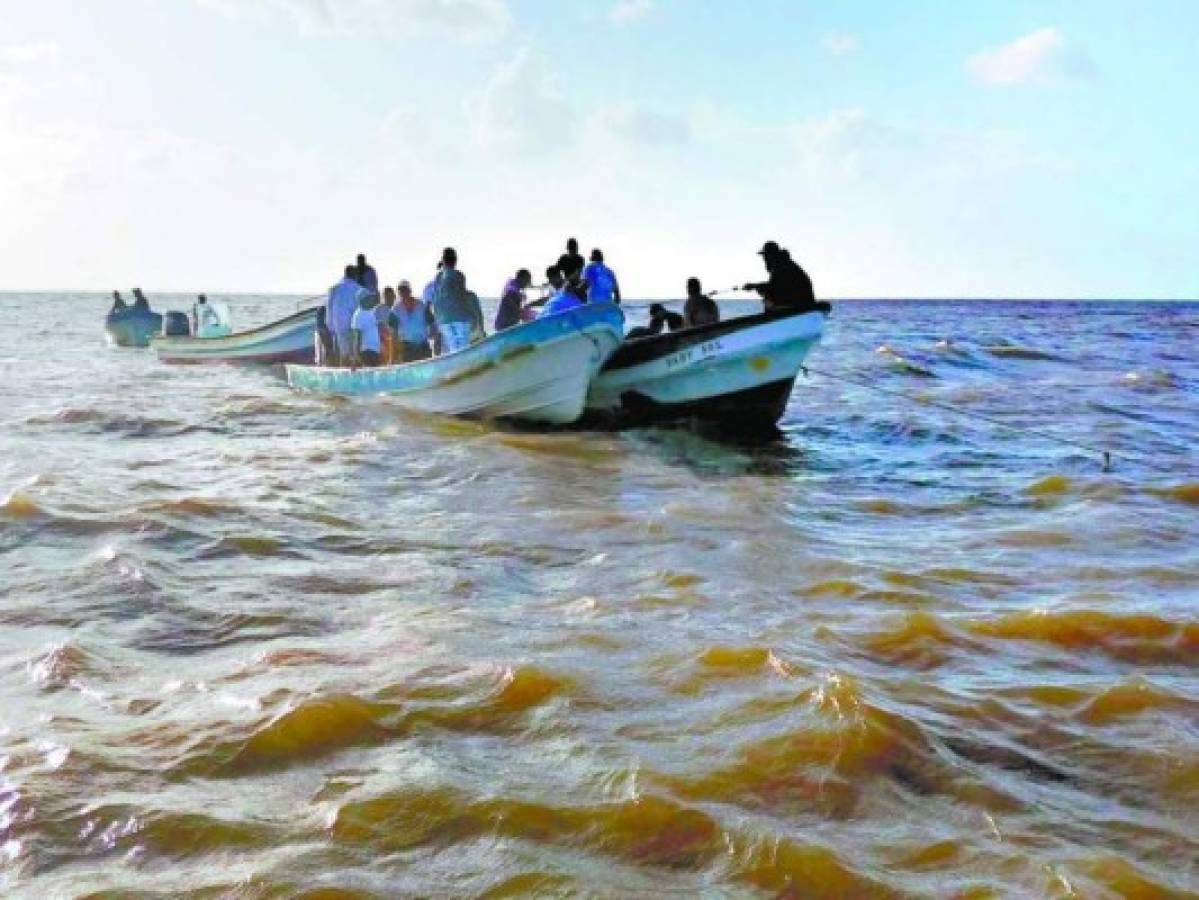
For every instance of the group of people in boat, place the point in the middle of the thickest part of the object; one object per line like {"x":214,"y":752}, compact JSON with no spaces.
{"x":140,"y":303}
{"x":359,"y":326}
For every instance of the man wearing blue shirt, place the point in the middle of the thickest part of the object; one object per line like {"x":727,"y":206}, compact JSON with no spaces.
{"x":601,"y":283}
{"x":344,"y":299}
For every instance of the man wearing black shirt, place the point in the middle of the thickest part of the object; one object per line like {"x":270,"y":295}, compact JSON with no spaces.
{"x":571,"y":263}
{"x":789,"y":286}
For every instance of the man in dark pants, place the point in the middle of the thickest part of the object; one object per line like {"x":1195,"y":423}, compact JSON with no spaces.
{"x":789,"y":286}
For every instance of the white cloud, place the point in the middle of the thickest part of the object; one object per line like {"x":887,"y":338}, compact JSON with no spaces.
{"x":1040,"y":57}
{"x":625,"y":12}
{"x":838,"y":43}
{"x":468,"y":19}
{"x":633,"y":125}
{"x":20,"y":57}
{"x":522,"y":110}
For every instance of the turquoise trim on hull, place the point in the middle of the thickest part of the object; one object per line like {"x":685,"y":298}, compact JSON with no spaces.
{"x":498,"y":348}
{"x":132,"y":327}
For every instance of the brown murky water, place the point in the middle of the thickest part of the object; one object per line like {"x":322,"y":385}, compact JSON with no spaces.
{"x":255,"y":644}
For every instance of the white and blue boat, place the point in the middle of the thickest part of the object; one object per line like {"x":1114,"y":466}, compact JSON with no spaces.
{"x":538,"y":372}
{"x":132,"y":326}
{"x":736,"y":374}
{"x":289,"y":340}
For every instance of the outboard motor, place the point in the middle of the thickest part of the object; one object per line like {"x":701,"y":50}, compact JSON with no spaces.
{"x":176,"y":324}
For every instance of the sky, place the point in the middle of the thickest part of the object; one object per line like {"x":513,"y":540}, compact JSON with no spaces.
{"x":996,"y":148}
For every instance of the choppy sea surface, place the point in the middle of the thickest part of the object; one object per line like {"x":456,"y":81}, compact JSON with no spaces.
{"x":259,"y":644}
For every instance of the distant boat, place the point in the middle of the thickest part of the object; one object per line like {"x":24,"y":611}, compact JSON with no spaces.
{"x":132,"y":326}
{"x":737,"y":373}
{"x":538,"y":372}
{"x":288,"y":340}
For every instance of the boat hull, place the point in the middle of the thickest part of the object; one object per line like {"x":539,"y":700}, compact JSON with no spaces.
{"x":132,"y":327}
{"x":539,"y":372}
{"x":736,"y":374}
{"x":288,"y":340}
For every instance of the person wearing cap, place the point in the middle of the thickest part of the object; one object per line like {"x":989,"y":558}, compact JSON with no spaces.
{"x":789,"y":286}
{"x":412,"y":325}
{"x":452,"y":306}
{"x":512,"y":300}
{"x":600,"y":281}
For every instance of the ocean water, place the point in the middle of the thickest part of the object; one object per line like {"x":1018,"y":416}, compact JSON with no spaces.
{"x":258,"y":644}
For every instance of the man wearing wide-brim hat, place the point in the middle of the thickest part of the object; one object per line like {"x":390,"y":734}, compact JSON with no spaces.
{"x":789,"y":286}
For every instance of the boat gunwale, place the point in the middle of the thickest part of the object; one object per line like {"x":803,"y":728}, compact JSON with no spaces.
{"x":195,"y":345}
{"x":647,"y":349}
{"x":502,"y":354}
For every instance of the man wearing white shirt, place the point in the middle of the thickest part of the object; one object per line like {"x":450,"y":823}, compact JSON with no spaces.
{"x":364,"y":333}
{"x":344,"y":298}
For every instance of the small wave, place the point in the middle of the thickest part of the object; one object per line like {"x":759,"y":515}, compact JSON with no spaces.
{"x":649,"y":830}
{"x":1128,"y":699}
{"x":1183,"y":493}
{"x":903,"y":364}
{"x":1135,"y":638}
{"x":1007,"y":351}
{"x":105,"y":422}
{"x":201,"y":507}
{"x":19,"y":505}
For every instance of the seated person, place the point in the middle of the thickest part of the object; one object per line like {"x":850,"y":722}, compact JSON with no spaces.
{"x":700,"y":309}
{"x":659,"y":317}
{"x":560,"y":299}
{"x":365,"y":347}
{"x":139,"y":300}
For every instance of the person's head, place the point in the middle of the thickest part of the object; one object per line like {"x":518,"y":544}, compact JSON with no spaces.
{"x":362,"y":260}
{"x":449,"y":257}
{"x":368,"y":300}
{"x":770,"y":253}
{"x":554,"y":276}
{"x":137,"y":292}
{"x":201,"y":299}
{"x":597,"y":255}
{"x":694,"y":288}
{"x":572,"y":246}
{"x":116,"y":295}
{"x":405,"y":289}
{"x":524,"y":278}
{"x":351,"y":272}
{"x":389,"y":295}
{"x":657,"y":311}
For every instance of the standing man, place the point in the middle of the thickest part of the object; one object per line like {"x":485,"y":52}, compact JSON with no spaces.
{"x":512,"y":300}
{"x":412,"y":324}
{"x":452,"y":307}
{"x":789,"y":286}
{"x":366,"y":275}
{"x":344,"y":299}
{"x":570,"y":263}
{"x":602,"y":286}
